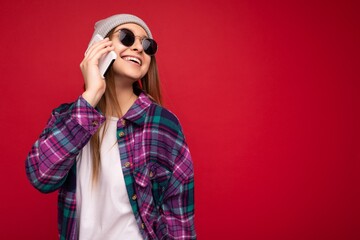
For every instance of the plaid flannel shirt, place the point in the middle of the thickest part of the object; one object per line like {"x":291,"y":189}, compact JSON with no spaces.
{"x":155,"y":160}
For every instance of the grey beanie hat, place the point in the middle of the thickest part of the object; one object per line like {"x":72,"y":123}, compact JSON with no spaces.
{"x":103,"y":27}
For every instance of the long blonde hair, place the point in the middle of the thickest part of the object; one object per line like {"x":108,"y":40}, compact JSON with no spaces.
{"x":109,"y":105}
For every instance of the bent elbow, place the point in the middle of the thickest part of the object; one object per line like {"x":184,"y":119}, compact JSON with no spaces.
{"x":41,"y":186}
{"x":43,"y":183}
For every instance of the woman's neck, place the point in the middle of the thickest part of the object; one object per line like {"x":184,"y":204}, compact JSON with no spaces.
{"x":125,"y":96}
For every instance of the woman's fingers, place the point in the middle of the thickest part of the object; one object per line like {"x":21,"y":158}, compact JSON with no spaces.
{"x":94,"y":48}
{"x":95,"y":52}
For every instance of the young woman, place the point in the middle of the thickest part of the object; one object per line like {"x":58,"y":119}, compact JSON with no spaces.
{"x":118,"y":159}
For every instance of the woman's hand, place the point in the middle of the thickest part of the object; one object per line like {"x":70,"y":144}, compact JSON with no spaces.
{"x":94,"y":84}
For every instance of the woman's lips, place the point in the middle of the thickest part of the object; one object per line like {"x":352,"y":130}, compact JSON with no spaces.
{"x":132,"y":59}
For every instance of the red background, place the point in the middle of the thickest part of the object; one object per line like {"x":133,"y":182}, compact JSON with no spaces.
{"x":267,"y":93}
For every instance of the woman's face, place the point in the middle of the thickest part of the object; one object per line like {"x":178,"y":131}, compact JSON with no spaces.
{"x":132,"y":62}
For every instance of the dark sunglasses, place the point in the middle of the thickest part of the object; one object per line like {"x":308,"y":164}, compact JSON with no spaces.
{"x":127,"y":38}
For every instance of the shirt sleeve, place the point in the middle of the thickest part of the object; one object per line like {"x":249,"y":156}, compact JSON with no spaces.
{"x":178,"y":202}
{"x":67,"y":131}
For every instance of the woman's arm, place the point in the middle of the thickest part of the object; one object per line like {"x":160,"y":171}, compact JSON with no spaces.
{"x":68,"y":130}
{"x":178,"y":203}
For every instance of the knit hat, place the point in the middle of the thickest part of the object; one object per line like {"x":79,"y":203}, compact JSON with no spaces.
{"x":103,"y":27}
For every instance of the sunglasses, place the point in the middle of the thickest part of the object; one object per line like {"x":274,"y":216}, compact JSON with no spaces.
{"x":127,"y":38}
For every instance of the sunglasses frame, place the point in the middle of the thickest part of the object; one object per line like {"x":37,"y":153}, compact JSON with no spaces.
{"x":152,"y":42}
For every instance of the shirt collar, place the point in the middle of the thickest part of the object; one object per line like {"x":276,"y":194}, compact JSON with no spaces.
{"x":137,"y":111}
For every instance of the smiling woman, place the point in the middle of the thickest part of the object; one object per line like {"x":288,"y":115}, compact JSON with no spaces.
{"x":117,"y":157}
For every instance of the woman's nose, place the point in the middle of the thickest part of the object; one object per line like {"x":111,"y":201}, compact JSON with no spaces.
{"x":137,"y":46}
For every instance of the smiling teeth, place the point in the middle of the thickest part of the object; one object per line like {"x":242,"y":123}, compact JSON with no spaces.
{"x":133,"y":59}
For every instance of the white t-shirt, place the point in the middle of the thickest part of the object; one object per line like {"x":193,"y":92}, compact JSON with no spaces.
{"x":104,"y":210}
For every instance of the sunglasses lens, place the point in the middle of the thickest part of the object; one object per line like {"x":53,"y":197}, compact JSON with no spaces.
{"x":127,"y":38}
{"x":150,"y":46}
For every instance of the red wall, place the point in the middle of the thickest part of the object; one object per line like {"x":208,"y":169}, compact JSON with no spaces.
{"x":267,"y":93}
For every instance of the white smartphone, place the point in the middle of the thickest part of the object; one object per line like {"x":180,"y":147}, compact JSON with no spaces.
{"x":105,"y":61}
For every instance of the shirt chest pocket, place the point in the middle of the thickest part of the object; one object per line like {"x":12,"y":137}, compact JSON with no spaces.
{"x":160,"y":178}
{"x":154,"y":178}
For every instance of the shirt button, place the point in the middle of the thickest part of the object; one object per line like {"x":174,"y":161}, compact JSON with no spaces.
{"x":134,"y":197}
{"x":121,"y":134}
{"x":95,"y":123}
{"x":151,"y":174}
{"x":142,"y":225}
{"x":123,"y":122}
{"x":127,"y":164}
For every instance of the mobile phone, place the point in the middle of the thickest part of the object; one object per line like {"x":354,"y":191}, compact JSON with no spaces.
{"x":105,"y":61}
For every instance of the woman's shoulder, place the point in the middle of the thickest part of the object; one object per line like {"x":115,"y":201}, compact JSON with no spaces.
{"x":162,"y":116}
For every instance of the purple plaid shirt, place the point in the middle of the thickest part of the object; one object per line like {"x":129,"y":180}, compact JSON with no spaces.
{"x":155,"y":160}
